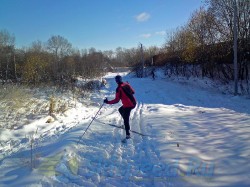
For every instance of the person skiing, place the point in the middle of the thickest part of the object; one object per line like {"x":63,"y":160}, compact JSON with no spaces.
{"x":153,"y":74}
{"x":124,"y":92}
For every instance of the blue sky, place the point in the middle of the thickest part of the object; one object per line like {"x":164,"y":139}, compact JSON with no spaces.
{"x":102,"y":24}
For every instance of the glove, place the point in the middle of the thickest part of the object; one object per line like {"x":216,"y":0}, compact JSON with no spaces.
{"x":105,"y":100}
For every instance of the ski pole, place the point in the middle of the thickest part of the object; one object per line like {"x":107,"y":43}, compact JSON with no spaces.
{"x":90,"y":124}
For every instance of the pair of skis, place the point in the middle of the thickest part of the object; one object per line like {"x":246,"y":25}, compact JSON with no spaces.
{"x":121,"y":127}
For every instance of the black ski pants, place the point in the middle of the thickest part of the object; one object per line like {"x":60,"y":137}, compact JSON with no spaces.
{"x":125,"y":113}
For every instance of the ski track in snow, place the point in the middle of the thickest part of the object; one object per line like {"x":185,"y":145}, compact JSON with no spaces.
{"x":196,"y":138}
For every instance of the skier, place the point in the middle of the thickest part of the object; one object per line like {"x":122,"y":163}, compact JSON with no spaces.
{"x":153,"y":74}
{"x":125,"y":93}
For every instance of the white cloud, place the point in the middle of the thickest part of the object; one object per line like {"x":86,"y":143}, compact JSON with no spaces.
{"x":161,"y":33}
{"x":146,"y":35}
{"x":142,"y":17}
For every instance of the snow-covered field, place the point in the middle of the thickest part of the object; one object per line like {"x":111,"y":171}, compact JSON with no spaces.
{"x":196,"y":136}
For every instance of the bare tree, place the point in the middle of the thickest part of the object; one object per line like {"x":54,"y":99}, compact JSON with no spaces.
{"x":59,"y":46}
{"x":37,"y":46}
{"x":6,"y":39}
{"x":223,"y":10}
{"x":7,"y":49}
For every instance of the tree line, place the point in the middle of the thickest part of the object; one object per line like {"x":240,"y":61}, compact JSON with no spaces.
{"x":53,"y":61}
{"x":204,"y":45}
{"x":57,"y":61}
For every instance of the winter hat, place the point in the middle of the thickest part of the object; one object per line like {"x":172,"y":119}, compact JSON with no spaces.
{"x":118,"y":79}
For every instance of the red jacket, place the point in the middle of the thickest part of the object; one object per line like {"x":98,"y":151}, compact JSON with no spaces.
{"x":125,"y":93}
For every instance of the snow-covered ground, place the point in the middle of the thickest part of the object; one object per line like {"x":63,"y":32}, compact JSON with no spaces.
{"x":196,"y":136}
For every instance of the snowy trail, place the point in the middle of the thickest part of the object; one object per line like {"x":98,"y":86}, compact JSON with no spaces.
{"x":196,"y":138}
